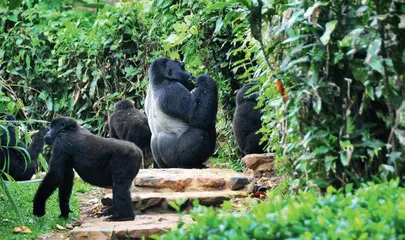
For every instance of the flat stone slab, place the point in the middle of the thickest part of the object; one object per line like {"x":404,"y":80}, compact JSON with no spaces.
{"x":182,"y":180}
{"x":259,"y":162}
{"x":159,"y":202}
{"x":143,"y":225}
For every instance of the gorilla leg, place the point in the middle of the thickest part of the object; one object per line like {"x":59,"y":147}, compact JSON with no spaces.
{"x":65,"y":190}
{"x":122,"y":209}
{"x":157,"y":155}
{"x":194,"y":146}
{"x":252,"y":144}
{"x":49,"y":184}
{"x":192,"y":149}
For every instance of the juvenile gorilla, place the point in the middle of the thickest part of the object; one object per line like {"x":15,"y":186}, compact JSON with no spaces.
{"x":129,"y":124}
{"x":247,"y":121}
{"x":182,"y":121}
{"x":14,"y":159}
{"x":103,"y":162}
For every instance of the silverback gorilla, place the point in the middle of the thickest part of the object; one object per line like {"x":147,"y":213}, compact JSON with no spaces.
{"x":129,"y":124}
{"x":247,"y":121}
{"x":182,"y":121}
{"x":103,"y":162}
{"x":14,"y":159}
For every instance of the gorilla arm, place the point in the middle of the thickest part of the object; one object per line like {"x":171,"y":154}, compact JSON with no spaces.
{"x":204,"y":110}
{"x":58,"y":176}
{"x":176,"y":101}
{"x":197,"y":108}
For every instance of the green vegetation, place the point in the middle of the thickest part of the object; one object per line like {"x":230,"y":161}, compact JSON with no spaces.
{"x":371,"y":212}
{"x":23,"y":195}
{"x":332,"y":90}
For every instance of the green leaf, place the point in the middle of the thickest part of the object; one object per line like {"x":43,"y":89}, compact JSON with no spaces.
{"x":394,"y":156}
{"x":310,"y":10}
{"x":219,"y":6}
{"x":376,"y":64}
{"x":28,"y":61}
{"x":322,"y":150}
{"x":329,"y":28}
{"x":401,"y":136}
{"x":349,"y":125}
{"x":79,"y":68}
{"x":346,"y":152}
{"x":93,"y":86}
{"x":218,"y":25}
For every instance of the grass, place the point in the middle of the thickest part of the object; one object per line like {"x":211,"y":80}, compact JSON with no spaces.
{"x":23,"y":195}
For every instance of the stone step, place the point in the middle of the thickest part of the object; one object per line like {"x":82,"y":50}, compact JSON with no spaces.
{"x":182,"y":180}
{"x":159,"y":202}
{"x":143,"y":225}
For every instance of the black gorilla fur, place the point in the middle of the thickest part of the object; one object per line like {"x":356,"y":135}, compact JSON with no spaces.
{"x":15,"y":161}
{"x":103,"y":162}
{"x":129,"y":124}
{"x":247,"y":121}
{"x":182,"y":121}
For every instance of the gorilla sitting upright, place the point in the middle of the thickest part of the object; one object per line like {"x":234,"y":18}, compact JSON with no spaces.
{"x":129,"y":124}
{"x":247,"y":121}
{"x":14,"y":159}
{"x":182,"y":121}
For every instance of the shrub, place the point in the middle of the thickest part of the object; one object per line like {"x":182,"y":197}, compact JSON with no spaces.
{"x":375,"y":211}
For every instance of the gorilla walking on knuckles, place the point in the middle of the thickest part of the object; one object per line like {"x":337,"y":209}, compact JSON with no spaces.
{"x":15,"y":161}
{"x":103,"y":162}
{"x":182,"y":121}
{"x":129,"y":124}
{"x":247,"y":121}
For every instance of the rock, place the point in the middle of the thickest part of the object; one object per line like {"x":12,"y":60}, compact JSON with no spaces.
{"x":259,"y":162}
{"x":144,"y":225}
{"x":51,"y":236}
{"x":237,"y":183}
{"x":182,"y":180}
{"x":160,"y":201}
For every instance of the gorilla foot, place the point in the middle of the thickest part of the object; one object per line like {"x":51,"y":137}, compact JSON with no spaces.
{"x":108,"y":211}
{"x":116,"y":218}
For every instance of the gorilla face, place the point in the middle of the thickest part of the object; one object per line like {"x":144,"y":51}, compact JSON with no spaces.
{"x":177,"y":72}
{"x":58,"y":126}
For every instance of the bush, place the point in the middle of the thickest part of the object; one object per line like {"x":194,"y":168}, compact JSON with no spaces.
{"x":375,"y":211}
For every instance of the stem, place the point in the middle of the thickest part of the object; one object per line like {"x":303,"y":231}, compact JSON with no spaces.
{"x":11,"y":200}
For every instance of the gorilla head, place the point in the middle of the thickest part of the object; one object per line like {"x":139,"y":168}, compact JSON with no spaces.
{"x":166,"y":69}
{"x":182,"y":120}
{"x":247,"y":121}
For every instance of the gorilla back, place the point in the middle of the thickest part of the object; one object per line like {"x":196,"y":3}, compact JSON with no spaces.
{"x":130,"y":124}
{"x":103,"y":162}
{"x":247,"y":121}
{"x":182,"y":121}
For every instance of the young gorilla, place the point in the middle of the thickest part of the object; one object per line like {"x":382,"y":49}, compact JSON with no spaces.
{"x":182,"y":122}
{"x":13,"y":157}
{"x":103,"y":162}
{"x":247,"y":121}
{"x":129,"y":124}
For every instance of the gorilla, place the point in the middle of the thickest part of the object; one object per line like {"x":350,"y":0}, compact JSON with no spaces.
{"x":182,"y":120}
{"x":15,"y":159}
{"x":129,"y":124}
{"x":103,"y":162}
{"x":247,"y":121}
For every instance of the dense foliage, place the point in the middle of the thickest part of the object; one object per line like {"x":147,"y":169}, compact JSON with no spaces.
{"x":331,"y":72}
{"x":371,"y":212}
